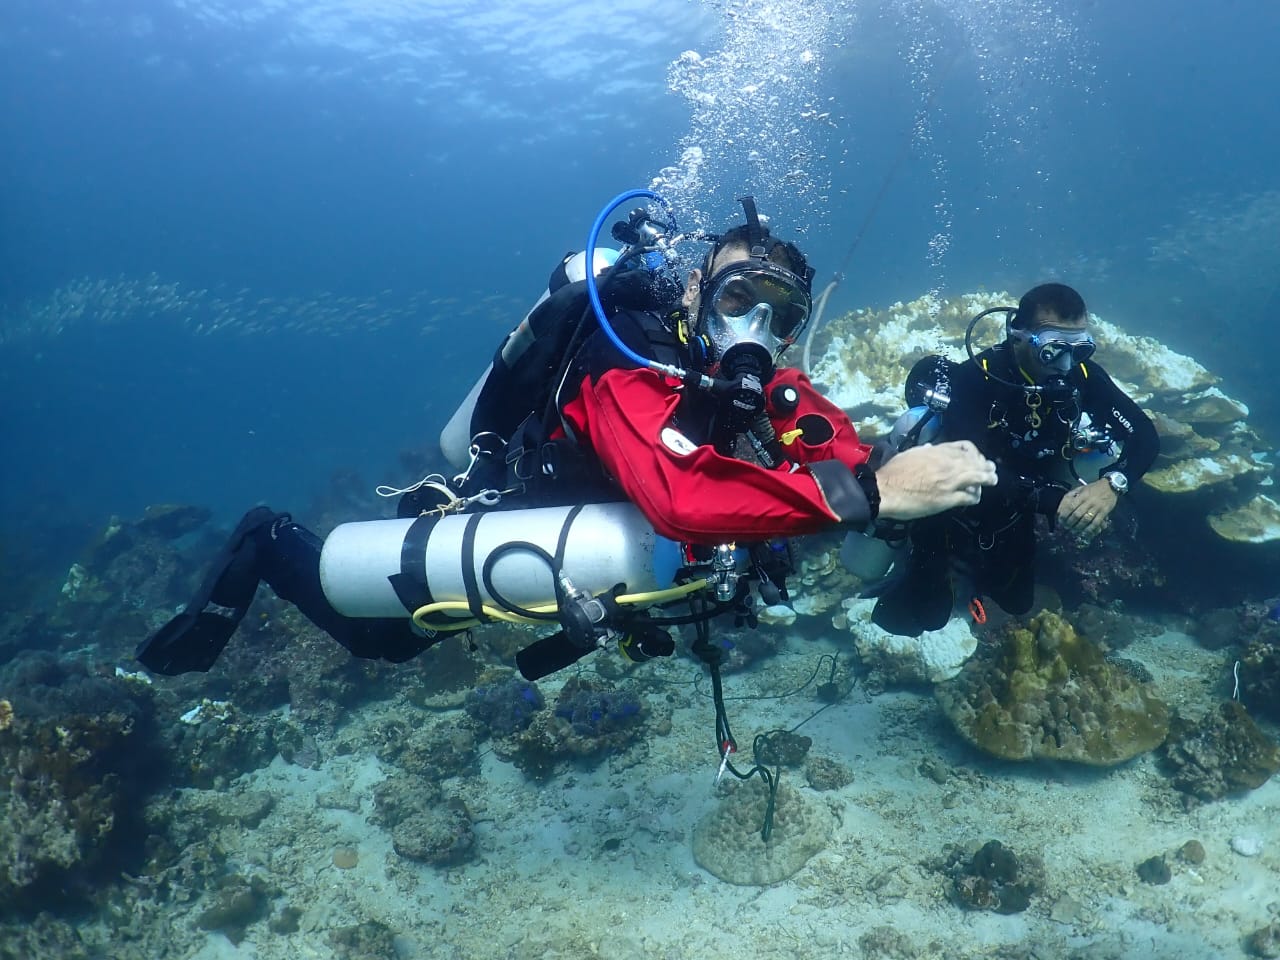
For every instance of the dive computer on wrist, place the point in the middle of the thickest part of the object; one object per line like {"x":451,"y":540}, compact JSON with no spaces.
{"x":866,"y":478}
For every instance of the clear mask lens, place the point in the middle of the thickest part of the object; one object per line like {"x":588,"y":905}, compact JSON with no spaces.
{"x":743,"y":294}
{"x":1053,"y":352}
{"x":1060,"y":349}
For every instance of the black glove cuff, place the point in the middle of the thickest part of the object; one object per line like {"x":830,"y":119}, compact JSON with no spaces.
{"x":842,"y":494}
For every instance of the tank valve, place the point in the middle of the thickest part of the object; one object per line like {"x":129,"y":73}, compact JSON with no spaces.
{"x":724,"y":572}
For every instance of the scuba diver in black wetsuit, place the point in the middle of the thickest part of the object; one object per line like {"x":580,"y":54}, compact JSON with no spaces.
{"x":1044,"y":412}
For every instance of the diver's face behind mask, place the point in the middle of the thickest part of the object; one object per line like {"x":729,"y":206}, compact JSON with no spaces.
{"x":753,"y":307}
{"x":1053,"y":350}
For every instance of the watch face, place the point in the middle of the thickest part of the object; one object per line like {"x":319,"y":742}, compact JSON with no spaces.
{"x":1119,"y":482}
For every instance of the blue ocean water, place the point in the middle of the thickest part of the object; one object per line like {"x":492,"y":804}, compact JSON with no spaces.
{"x":253,"y":249}
{"x":305,"y":152}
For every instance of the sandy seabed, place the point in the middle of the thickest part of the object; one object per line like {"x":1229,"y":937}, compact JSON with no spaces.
{"x":599,"y":863}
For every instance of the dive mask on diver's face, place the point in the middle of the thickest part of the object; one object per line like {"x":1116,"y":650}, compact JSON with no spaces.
{"x":1059,"y":350}
{"x":754,"y":301}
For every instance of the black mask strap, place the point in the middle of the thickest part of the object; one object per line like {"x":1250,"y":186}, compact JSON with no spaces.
{"x":755,"y":233}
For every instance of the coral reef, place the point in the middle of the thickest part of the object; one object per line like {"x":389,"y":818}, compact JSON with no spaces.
{"x":400,"y":796}
{"x":1248,"y":623}
{"x":132,"y":568}
{"x":279,"y":657}
{"x":890,"y":943}
{"x":1264,"y":942}
{"x":426,"y":824}
{"x":594,"y":712}
{"x":782,"y":748}
{"x":434,"y":750}
{"x":1223,"y":753}
{"x":1046,"y":692}
{"x":588,"y":722}
{"x":441,"y":836}
{"x":203,"y":812}
{"x":1260,"y":675}
{"x":824,"y":773}
{"x":747,"y":647}
{"x":44,"y":936}
{"x":1191,"y":852}
{"x":727,"y":841}
{"x":821,"y":581}
{"x":1118,"y":566}
{"x":443,"y":681}
{"x":239,"y":902}
{"x":1155,"y":870}
{"x":503,"y":704}
{"x":364,"y":941}
{"x":73,"y":764}
{"x":1109,"y":626}
{"x":215,"y":742}
{"x":138,"y":572}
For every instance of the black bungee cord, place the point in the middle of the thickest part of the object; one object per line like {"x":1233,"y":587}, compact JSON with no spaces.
{"x":727,"y":744}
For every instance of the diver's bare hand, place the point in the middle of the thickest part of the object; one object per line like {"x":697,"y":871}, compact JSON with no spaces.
{"x":1085,"y":509}
{"x":932,"y":478}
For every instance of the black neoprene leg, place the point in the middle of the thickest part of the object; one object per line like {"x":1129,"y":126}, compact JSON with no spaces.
{"x":1009,"y":576}
{"x":289,"y":561}
{"x":266,"y":546}
{"x":920,"y":601}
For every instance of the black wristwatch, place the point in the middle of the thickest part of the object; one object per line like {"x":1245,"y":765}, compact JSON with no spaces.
{"x":866,"y":478}
{"x":1117,"y":481}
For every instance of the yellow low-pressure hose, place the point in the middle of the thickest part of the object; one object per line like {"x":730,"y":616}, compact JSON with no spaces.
{"x":506,"y":616}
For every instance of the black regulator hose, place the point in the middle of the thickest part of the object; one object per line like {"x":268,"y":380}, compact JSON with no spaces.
{"x":500,"y":551}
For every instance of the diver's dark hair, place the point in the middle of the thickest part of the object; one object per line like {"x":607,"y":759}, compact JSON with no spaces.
{"x":784,"y":254}
{"x":1058,"y":297}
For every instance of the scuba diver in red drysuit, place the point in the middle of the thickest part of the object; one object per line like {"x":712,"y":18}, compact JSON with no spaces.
{"x":669,"y":398}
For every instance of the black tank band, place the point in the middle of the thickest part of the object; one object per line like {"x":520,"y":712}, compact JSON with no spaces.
{"x":410,"y":584}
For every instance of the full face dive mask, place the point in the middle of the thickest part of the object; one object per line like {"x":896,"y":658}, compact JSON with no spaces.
{"x":754,"y":308}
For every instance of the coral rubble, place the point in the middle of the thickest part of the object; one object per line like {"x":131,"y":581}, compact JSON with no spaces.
{"x":1224,"y":753}
{"x":994,"y":878}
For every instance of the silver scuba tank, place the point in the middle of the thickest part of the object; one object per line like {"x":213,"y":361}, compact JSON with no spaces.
{"x":604,"y":544}
{"x":904,"y":425}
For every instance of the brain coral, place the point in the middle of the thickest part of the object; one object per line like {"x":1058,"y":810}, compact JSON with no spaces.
{"x":727,"y":843}
{"x":1047,"y":692}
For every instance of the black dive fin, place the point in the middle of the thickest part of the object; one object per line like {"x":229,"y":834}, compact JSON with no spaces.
{"x":193,"y":639}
